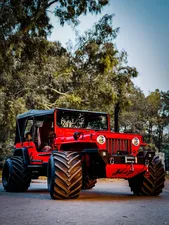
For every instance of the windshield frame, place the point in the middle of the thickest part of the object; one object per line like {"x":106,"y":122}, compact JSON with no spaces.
{"x":104,"y":115}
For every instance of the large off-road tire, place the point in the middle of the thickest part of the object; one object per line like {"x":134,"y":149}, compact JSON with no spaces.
{"x":64,"y":175}
{"x":15,"y":175}
{"x":88,"y":183}
{"x":149,"y":183}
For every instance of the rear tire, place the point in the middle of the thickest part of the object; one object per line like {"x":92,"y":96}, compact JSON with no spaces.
{"x":149,"y":183}
{"x":15,"y":175}
{"x":88,"y":183}
{"x":64,"y":175}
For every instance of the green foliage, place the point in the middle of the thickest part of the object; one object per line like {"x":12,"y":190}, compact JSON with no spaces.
{"x":148,"y":116}
{"x":133,"y":118}
{"x":101,"y":76}
{"x":29,"y":64}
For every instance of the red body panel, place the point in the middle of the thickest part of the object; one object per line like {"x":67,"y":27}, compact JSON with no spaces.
{"x":124,"y":170}
{"x":33,"y":154}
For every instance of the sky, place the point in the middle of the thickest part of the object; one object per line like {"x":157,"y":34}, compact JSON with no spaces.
{"x":144,"y":34}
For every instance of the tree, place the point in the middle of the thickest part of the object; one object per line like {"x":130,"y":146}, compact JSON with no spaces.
{"x":29,"y":85}
{"x":24,"y":51}
{"x":148,"y":116}
{"x":153,"y":105}
{"x":162,"y":121}
{"x":24,"y":23}
{"x":133,"y":117}
{"x":32,"y":17}
{"x":95,"y":76}
{"x":99,"y":72}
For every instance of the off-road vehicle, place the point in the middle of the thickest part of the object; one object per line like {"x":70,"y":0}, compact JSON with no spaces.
{"x":74,"y":148}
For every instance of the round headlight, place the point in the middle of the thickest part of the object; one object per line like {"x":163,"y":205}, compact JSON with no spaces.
{"x":101,"y":139}
{"x":135,"y":141}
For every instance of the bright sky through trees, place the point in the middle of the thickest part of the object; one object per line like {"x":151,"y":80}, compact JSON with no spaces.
{"x":144,"y":34}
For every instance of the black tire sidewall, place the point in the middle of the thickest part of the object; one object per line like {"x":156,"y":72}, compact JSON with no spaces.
{"x":88,"y":183}
{"x":147,"y":186}
{"x":51,"y":175}
{"x":8,"y":163}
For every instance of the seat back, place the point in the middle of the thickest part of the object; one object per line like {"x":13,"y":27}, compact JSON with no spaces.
{"x":44,"y":132}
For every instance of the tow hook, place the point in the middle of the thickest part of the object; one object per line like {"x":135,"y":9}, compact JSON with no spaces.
{"x":146,"y":162}
{"x":111,"y":160}
{"x":131,"y":167}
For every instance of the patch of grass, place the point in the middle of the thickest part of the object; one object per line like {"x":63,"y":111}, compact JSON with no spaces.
{"x":42,"y":178}
{"x":167,"y":176}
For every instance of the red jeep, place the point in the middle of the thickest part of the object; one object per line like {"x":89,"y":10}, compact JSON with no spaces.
{"x":74,"y":148}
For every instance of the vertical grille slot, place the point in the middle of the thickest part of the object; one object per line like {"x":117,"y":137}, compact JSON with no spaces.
{"x":116,"y":144}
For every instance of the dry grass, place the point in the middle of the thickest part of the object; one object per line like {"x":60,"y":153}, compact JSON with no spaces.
{"x":42,"y":178}
{"x":167,"y":176}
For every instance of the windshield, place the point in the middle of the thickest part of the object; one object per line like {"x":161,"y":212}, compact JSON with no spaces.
{"x":83,"y":120}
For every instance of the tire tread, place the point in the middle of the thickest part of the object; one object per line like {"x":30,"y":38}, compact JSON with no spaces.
{"x":151,"y":185}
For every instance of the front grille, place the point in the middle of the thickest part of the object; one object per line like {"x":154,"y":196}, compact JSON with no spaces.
{"x":115,"y":145}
